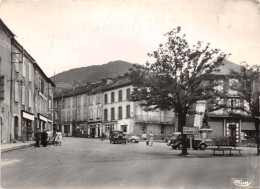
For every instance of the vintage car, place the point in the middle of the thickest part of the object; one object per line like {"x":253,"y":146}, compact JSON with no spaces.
{"x":176,"y":142}
{"x":131,"y":138}
{"x":117,"y":137}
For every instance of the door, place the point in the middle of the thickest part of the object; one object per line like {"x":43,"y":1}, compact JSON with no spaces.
{"x":16,"y":127}
{"x":124,"y":128}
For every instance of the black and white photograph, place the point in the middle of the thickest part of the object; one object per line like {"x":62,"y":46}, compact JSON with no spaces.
{"x":130,"y":94}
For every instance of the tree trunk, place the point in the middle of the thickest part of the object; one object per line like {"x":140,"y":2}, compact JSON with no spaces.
{"x":256,"y":110}
{"x":182,"y":123}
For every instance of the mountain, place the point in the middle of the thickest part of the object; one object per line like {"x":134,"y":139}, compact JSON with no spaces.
{"x":79,"y":76}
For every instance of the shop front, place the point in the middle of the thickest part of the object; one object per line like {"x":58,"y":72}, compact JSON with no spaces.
{"x":94,"y":130}
{"x":109,"y":126}
{"x":27,"y":129}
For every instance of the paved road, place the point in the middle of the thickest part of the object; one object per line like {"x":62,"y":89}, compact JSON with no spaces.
{"x":91,"y":163}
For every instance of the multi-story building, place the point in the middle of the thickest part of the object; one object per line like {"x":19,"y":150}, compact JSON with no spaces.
{"x":119,"y":113}
{"x":228,"y":121}
{"x":106,"y":106}
{"x":27,"y":93}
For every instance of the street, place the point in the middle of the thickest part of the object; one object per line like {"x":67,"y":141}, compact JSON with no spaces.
{"x":91,"y":163}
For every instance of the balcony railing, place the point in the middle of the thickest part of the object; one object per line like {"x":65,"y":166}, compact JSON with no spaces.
{"x":153,"y":119}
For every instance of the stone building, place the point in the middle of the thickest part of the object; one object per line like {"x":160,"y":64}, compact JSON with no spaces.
{"x":27,"y":93}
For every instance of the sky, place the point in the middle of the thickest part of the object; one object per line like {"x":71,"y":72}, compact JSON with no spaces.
{"x":62,"y":35}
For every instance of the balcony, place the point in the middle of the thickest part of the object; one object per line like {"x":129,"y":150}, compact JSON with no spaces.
{"x":154,"y":119}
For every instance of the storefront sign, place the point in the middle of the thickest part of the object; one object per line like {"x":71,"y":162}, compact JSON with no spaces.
{"x":43,"y":118}
{"x":28,"y":116}
{"x":191,"y":130}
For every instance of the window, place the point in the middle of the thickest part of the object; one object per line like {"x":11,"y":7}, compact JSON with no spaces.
{"x":233,"y":103}
{"x":74,"y":101}
{"x":162,"y":129}
{"x":112,"y":97}
{"x":219,"y":86}
{"x":128,"y":111}
{"x":24,"y":64}
{"x":112,"y":113}
{"x":2,"y":86}
{"x":120,"y":113}
{"x":30,"y":72}
{"x":23,"y":95}
{"x":105,"y":114}
{"x":233,"y":84}
{"x":91,"y":114}
{"x":98,"y":113}
{"x":128,"y":94}
{"x":105,"y":99}
{"x":42,"y":86}
{"x":120,"y":96}
{"x":30,"y":98}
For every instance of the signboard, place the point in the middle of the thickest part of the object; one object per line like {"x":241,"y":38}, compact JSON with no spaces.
{"x":191,"y":130}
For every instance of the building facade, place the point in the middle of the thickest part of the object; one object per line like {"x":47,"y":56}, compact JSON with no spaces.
{"x":27,"y":93}
{"x":97,"y":108}
{"x":229,"y":121}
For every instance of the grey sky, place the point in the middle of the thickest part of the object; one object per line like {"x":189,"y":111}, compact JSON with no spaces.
{"x":61,"y":35}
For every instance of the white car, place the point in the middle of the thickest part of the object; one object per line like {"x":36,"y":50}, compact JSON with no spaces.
{"x":131,"y":138}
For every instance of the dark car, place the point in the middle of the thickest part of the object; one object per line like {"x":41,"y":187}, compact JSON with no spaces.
{"x":117,"y":137}
{"x":176,"y":142}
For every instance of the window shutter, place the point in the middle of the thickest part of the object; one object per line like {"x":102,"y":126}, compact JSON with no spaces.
{"x":2,"y":87}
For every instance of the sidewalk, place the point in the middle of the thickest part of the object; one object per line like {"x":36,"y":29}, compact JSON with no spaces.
{"x":15,"y":146}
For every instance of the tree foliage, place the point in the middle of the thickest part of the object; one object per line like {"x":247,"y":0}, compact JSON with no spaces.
{"x":180,"y":76}
{"x":245,"y":88}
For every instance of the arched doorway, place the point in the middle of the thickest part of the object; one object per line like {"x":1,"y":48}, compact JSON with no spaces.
{"x":16,"y":127}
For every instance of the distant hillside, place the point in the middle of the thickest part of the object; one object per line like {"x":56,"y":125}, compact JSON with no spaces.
{"x":93,"y":73}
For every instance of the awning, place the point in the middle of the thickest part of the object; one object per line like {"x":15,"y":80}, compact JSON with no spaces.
{"x":43,"y":118}
{"x":28,"y":116}
{"x":248,"y":126}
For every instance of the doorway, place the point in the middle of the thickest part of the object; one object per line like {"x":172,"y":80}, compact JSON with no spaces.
{"x":16,"y":128}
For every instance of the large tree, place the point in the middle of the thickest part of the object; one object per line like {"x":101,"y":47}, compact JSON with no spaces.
{"x":247,"y":89}
{"x":179,"y":77}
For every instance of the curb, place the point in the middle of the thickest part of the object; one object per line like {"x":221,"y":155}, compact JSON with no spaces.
{"x":16,"y":147}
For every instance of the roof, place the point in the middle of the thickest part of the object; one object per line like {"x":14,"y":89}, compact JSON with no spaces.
{"x":118,"y":82}
{"x":79,"y":90}
{"x":227,"y":67}
{"x":6,"y":29}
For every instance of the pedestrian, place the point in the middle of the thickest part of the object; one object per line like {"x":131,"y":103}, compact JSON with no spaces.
{"x":44,"y":137}
{"x":151,"y":138}
{"x":58,"y":138}
{"x":37,"y":138}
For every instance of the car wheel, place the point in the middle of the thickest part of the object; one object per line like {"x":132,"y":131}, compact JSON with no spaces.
{"x":173,"y":147}
{"x":202,"y":146}
{"x":133,"y":140}
{"x":180,"y":146}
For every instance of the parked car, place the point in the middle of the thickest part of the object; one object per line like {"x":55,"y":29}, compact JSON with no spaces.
{"x":176,"y":142}
{"x":131,"y":138}
{"x":117,"y":137}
